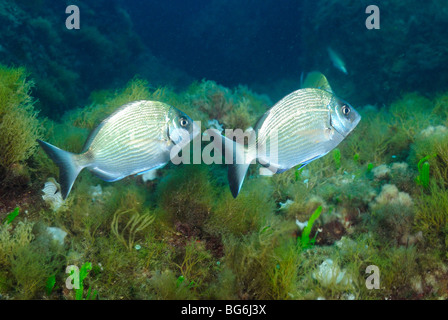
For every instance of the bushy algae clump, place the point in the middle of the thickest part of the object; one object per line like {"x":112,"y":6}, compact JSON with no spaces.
{"x":181,"y":235}
{"x":19,"y":126}
{"x":432,"y":216}
{"x":236,"y":109}
{"x":26,"y":259}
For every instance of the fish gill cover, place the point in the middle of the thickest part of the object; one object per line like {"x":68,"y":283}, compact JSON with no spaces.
{"x":364,"y":219}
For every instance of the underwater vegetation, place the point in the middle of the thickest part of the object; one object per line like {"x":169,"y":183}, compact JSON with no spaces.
{"x":19,"y":129}
{"x":19,"y":126}
{"x":179,"y":234}
{"x":305,"y":241}
{"x":379,"y":201}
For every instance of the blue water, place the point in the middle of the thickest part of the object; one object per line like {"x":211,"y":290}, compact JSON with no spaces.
{"x":231,"y":42}
{"x":265,"y":45}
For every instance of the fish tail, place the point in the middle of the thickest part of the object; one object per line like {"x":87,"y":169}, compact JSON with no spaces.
{"x":68,"y":166}
{"x":237,"y":165}
{"x":236,"y":174}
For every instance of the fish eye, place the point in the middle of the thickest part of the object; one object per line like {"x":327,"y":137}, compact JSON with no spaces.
{"x":183,"y":122}
{"x":345,"y":110}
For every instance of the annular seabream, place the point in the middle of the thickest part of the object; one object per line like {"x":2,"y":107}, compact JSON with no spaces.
{"x":302,"y":127}
{"x":136,"y":138}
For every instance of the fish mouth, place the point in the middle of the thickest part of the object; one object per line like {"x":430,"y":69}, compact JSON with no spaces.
{"x":344,"y":131}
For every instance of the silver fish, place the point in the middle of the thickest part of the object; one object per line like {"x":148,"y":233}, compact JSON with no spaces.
{"x":337,"y":60}
{"x":136,"y":138}
{"x":302,"y":127}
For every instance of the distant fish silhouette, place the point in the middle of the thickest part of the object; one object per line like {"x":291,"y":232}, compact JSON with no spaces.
{"x":337,"y":60}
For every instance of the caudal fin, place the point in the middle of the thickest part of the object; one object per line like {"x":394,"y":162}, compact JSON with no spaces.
{"x":236,"y":174}
{"x":237,"y":156}
{"x":68,"y":168}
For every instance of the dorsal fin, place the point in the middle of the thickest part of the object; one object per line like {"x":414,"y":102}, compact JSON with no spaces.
{"x":260,"y":121}
{"x":316,"y":79}
{"x":92,"y":136}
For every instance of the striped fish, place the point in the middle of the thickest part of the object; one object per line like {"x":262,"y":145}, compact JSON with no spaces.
{"x":136,"y":138}
{"x":302,"y":127}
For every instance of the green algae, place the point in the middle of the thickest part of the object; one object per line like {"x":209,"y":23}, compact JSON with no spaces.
{"x":432,"y":216}
{"x":423,"y":169}
{"x":305,"y":242}
{"x":225,"y":248}
{"x":244,"y":248}
{"x":12,"y":215}
{"x":19,"y":126}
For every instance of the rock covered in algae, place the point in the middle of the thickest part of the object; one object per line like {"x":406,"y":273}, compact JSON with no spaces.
{"x":391,"y":195}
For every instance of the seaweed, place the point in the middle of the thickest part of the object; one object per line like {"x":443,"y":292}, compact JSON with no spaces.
{"x":11,"y":216}
{"x":51,"y":282}
{"x":432,"y":216}
{"x":337,"y":158}
{"x":375,"y":148}
{"x":166,"y":286}
{"x":79,"y":292}
{"x":187,"y":196}
{"x":196,"y":264}
{"x":29,"y":259}
{"x":242,"y":215}
{"x":103,"y":103}
{"x":183,"y":235}
{"x":11,"y":240}
{"x":411,"y":115}
{"x":137,"y":222}
{"x":392,"y":223}
{"x":19,"y":126}
{"x":283,"y":277}
{"x":423,"y":170}
{"x":304,"y":241}
{"x":262,"y":262}
{"x":431,"y":145}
